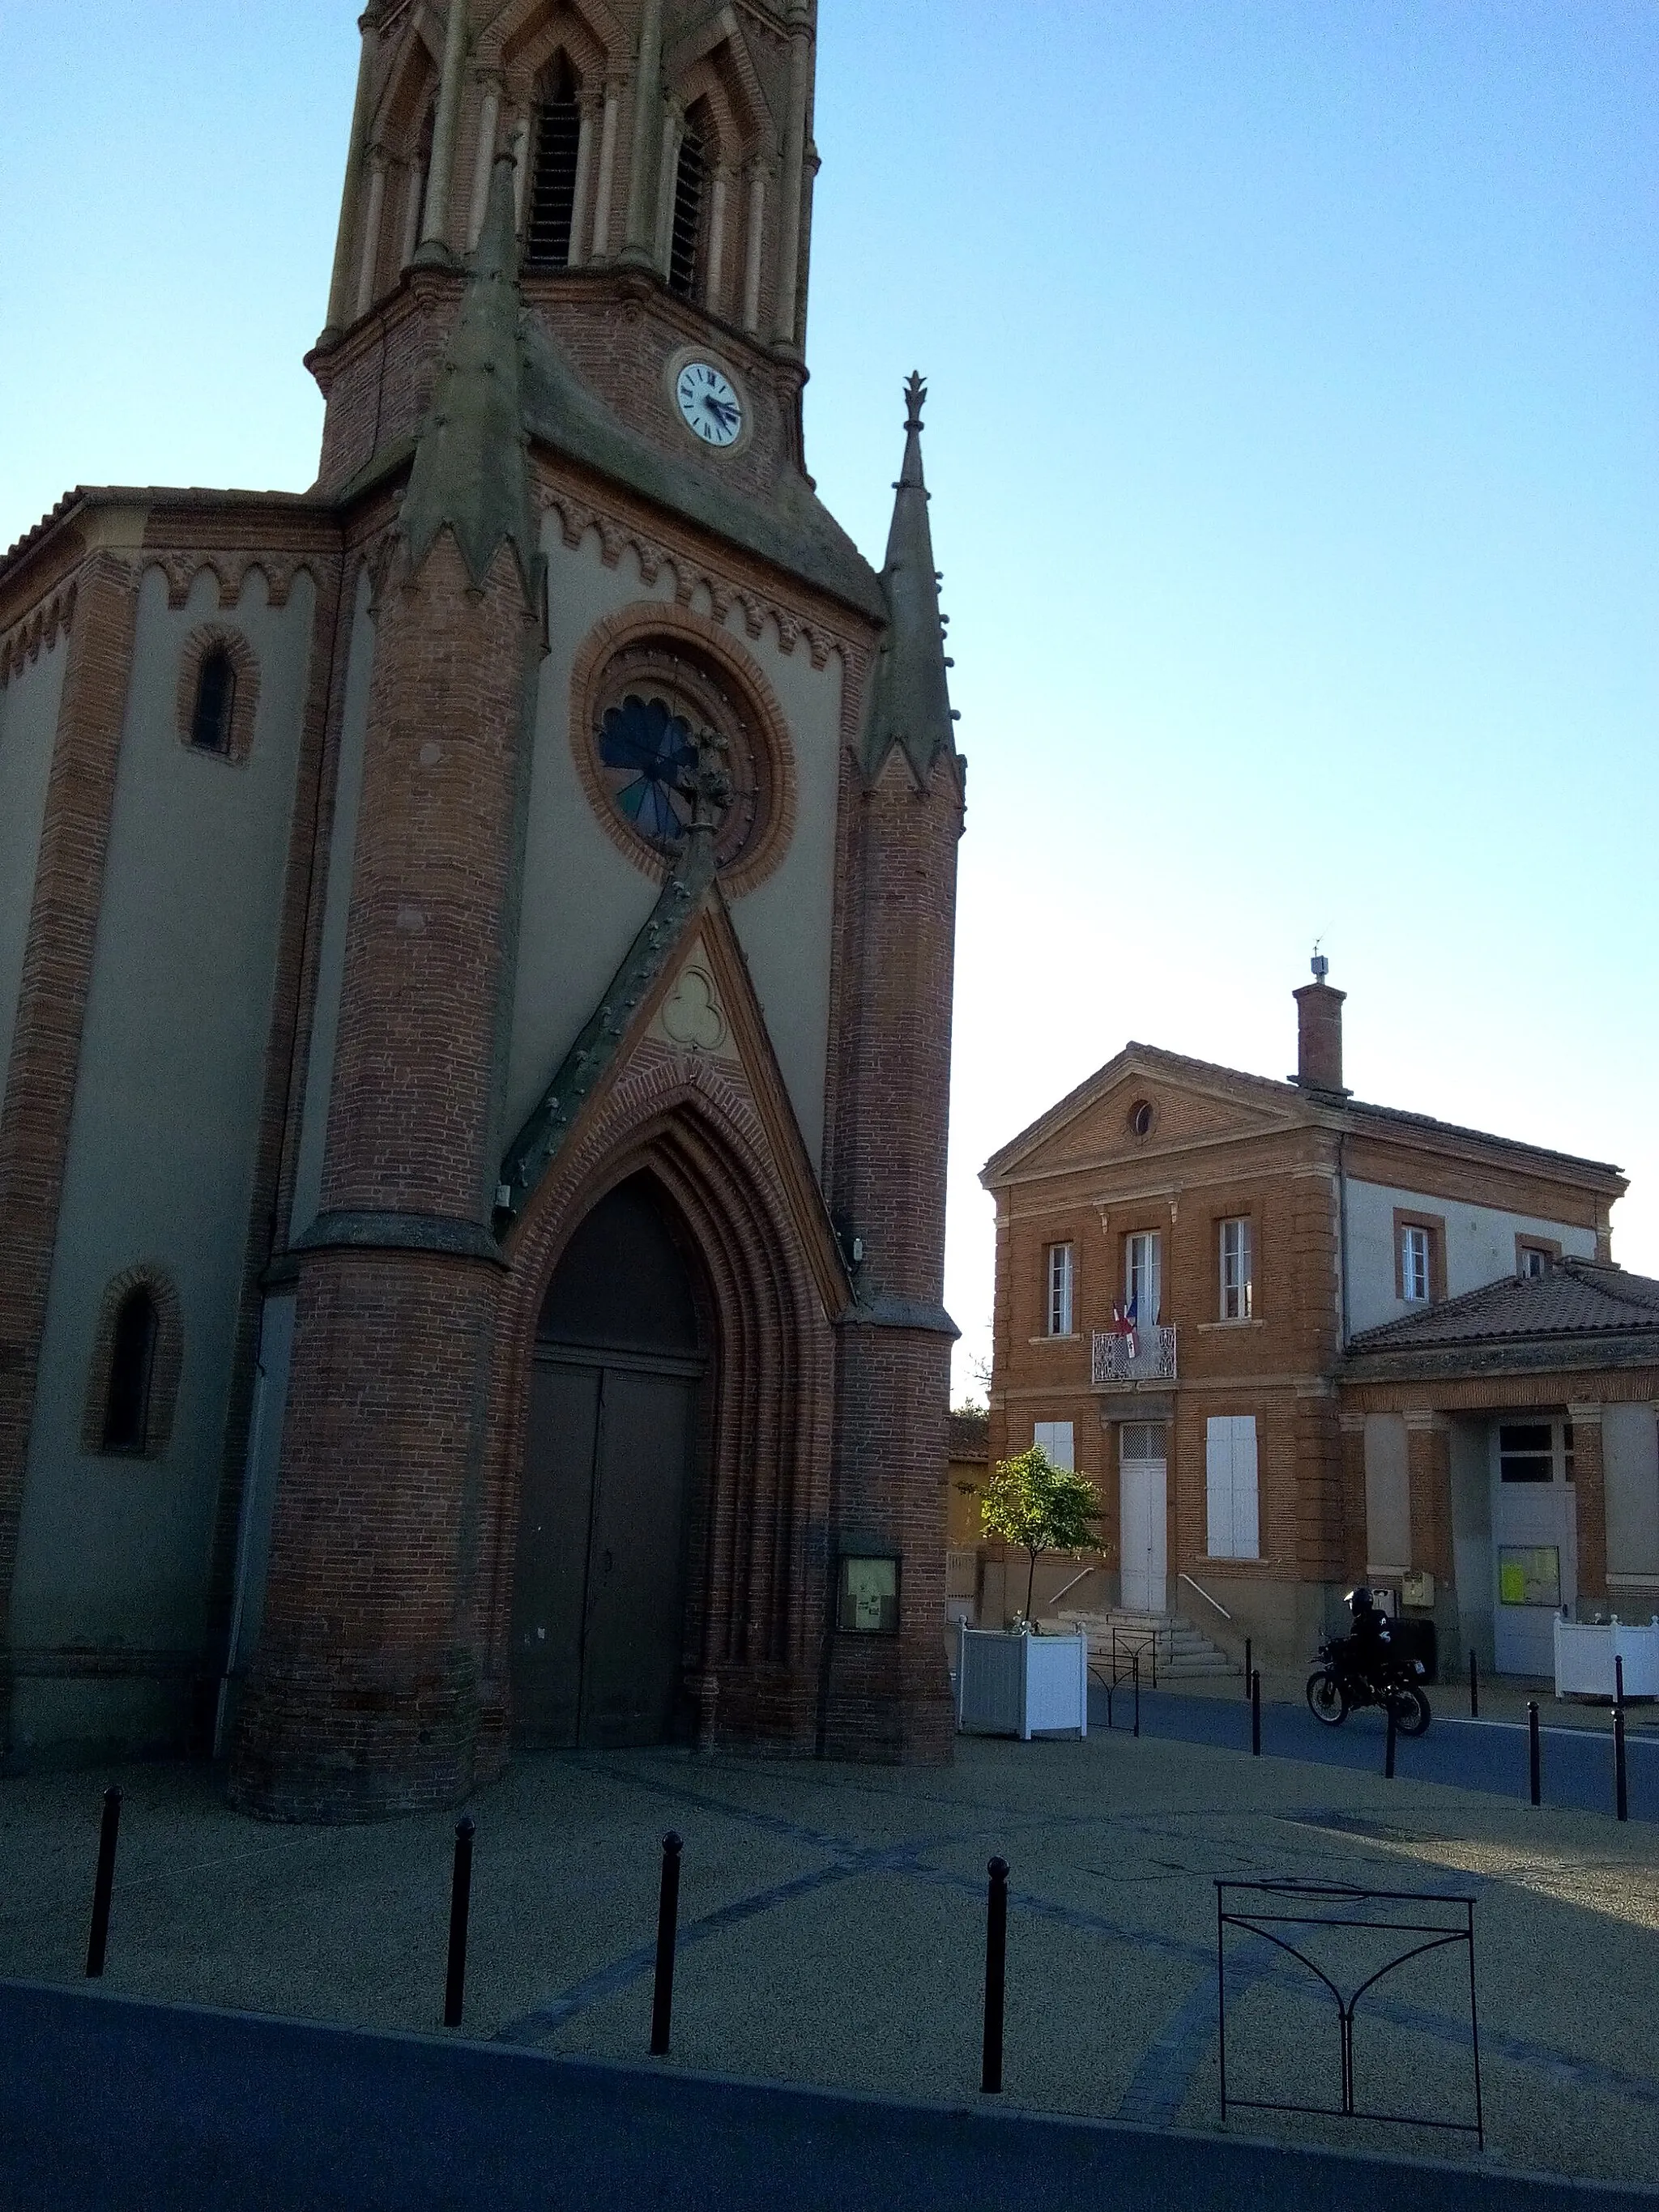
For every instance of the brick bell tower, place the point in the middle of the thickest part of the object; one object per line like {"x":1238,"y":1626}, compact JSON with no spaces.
{"x":553,"y":972}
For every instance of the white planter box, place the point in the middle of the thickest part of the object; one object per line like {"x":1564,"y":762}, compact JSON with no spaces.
{"x":1021,"y":1686}
{"x":1584,"y":1655}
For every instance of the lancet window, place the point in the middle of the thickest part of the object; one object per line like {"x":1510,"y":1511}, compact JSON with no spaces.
{"x":685,"y":247}
{"x":553,"y":190}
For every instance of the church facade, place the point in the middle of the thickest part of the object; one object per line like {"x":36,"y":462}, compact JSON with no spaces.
{"x":475,"y":953}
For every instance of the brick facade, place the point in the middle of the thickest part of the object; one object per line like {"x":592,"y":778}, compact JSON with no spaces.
{"x":381,"y":1678}
{"x":1157,"y":1144}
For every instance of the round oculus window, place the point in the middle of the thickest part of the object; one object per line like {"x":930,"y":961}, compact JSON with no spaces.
{"x":1141,"y":1117}
{"x":660,"y":714}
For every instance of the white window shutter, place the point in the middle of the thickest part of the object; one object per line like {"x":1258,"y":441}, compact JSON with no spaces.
{"x":1247,"y":1521}
{"x":1055,"y":1438}
{"x":1218,"y":1485}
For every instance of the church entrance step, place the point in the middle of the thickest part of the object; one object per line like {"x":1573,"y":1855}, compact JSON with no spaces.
{"x":1170,"y":1642}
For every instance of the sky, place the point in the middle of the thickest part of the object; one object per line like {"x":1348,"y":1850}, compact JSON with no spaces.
{"x":1294,"y":444}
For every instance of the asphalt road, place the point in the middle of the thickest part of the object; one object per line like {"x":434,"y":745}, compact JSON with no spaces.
{"x":1576,"y":1764}
{"x":107,"y":2100}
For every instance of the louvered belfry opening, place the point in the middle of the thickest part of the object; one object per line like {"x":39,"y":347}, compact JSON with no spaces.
{"x":683,"y":251}
{"x":553,"y":195}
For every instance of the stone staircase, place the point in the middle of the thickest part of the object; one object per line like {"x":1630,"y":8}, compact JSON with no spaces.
{"x":1185,"y":1654}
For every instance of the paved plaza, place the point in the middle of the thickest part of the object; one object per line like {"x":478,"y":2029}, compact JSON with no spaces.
{"x":832,"y":1930}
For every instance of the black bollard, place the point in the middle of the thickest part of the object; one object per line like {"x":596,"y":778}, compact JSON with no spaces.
{"x":1255,"y":1713}
{"x":1620,"y":1792}
{"x":1249,"y":1669}
{"x":668,"y":1917}
{"x":103,"y":1881}
{"x":1533,"y":1761}
{"x":1474,"y":1689}
{"x":1135,"y":1669}
{"x":460,"y":1905}
{"x":1388,"y":1745}
{"x":996,"y":1976}
{"x":1618,"y":1679}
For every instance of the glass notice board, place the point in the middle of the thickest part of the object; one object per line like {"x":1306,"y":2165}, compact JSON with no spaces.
{"x":1529,"y":1574}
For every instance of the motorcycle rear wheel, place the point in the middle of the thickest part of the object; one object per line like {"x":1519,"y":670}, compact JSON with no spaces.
{"x":1327,"y":1701}
{"x":1411,"y":1710}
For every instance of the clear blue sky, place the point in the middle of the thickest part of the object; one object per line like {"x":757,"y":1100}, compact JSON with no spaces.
{"x":1295,"y":451}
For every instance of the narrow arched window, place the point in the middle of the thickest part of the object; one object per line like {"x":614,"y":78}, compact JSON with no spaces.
{"x":553,"y":194}
{"x":684,"y":244}
{"x":131,"y":1372}
{"x":215,"y":699}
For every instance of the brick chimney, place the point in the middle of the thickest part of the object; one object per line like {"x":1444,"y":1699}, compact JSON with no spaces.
{"x":1319,"y":1033}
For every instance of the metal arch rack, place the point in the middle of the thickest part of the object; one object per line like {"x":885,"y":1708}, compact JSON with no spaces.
{"x":1287,"y":1906}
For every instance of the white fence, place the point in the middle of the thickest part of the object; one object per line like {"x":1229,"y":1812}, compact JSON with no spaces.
{"x":1584,"y":1653}
{"x":1021,"y":1684}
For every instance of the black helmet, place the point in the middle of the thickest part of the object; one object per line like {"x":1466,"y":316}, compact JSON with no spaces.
{"x":1360,"y":1600}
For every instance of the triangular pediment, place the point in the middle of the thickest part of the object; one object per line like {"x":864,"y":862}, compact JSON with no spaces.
{"x":680,"y":1013}
{"x":1191,"y":1101}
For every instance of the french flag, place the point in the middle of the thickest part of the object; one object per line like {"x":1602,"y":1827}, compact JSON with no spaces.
{"x":1123,"y":1325}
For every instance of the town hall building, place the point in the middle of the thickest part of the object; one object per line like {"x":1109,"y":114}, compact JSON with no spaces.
{"x":1299,"y":1342}
{"x":476,"y":956}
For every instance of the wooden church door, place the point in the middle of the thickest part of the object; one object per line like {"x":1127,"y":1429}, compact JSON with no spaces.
{"x":598,"y":1608}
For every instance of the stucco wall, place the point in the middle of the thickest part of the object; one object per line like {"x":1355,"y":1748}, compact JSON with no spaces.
{"x":1630,"y":1458}
{"x":113,"y":1553}
{"x":336,"y":903}
{"x":1479,"y":1247}
{"x":584,"y":901}
{"x":1388,"y":1494}
{"x":29,"y":723}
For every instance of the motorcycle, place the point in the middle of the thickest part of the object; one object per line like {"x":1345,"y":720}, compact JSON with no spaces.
{"x":1349,"y":1676}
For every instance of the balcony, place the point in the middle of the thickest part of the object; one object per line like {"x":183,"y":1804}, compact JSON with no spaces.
{"x":1153,"y":1367}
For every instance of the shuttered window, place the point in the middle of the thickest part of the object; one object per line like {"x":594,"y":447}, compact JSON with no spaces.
{"x":553,"y":190}
{"x":1060,"y":1290}
{"x":1238,"y":1287}
{"x":1055,"y":1438}
{"x":1143,"y":1274}
{"x":1230,"y":1487}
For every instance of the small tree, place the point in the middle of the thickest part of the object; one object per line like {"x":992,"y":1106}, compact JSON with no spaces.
{"x":1040,"y":1507}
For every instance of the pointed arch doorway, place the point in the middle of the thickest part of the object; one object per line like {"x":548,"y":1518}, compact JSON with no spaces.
{"x":600,"y":1580}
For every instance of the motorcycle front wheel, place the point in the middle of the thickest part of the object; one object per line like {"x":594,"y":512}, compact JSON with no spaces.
{"x":1411,"y":1710}
{"x":1328,"y":1700}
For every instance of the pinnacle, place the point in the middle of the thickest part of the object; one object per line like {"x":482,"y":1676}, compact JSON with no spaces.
{"x":470,"y":473}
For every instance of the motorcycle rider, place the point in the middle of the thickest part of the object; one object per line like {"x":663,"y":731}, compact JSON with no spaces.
{"x":1369,"y":1635}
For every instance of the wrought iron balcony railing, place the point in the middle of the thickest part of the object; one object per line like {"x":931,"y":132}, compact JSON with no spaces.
{"x":1154,"y":1359}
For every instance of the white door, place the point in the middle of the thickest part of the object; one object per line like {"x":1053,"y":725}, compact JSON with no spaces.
{"x":1534,"y":1542}
{"x":1142,"y":1484}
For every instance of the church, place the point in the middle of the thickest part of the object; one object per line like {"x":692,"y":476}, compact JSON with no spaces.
{"x":476,"y":958}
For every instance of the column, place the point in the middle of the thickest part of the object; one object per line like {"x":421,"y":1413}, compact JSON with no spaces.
{"x":1428,"y":1464}
{"x":752,"y":275}
{"x":415,"y":177}
{"x":578,"y":253}
{"x":795,"y":163}
{"x":1589,"y":1501}
{"x":673,"y":131}
{"x":601,"y":246}
{"x":339,"y":289}
{"x":1352,"y":1428}
{"x":647,"y":93}
{"x":371,"y":247}
{"x":488,"y":117}
{"x":717,"y":197}
{"x":433,"y":245}
{"x":518,"y":144}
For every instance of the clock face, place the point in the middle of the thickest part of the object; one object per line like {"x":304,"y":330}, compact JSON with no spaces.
{"x":711,"y":407}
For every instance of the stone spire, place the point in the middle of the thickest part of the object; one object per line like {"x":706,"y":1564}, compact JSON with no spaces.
{"x":910,"y":697}
{"x":472,"y":469}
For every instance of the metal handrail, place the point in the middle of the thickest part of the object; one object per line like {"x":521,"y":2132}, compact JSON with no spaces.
{"x":1072,"y":1584}
{"x":1183,"y":1575}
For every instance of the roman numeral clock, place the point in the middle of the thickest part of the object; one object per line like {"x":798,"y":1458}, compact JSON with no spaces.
{"x":709,"y":403}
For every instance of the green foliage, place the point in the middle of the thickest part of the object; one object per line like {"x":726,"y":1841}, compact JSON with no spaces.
{"x":1031,"y":1502}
